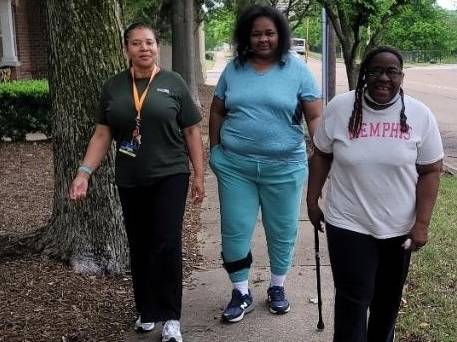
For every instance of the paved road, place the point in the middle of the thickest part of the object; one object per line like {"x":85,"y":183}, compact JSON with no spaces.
{"x":435,"y":85}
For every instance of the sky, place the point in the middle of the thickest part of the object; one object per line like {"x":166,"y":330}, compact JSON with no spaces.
{"x":448,"y":4}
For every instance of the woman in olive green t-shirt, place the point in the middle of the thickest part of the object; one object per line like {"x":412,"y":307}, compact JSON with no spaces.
{"x":155,"y":124}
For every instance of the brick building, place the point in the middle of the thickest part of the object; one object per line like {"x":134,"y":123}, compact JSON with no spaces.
{"x":24,"y":42}
{"x":23,"y":39}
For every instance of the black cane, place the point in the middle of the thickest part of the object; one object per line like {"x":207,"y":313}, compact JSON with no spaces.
{"x":320,"y":323}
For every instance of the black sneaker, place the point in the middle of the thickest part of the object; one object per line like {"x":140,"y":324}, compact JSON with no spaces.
{"x":239,"y":306}
{"x":277,"y":300}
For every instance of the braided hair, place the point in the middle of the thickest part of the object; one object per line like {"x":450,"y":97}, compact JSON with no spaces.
{"x":355,"y":121}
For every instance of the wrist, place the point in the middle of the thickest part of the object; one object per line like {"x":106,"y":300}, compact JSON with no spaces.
{"x":85,"y":170}
{"x":420,"y":225}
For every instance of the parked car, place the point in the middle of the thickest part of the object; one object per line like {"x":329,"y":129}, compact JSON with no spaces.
{"x":299,"y":45}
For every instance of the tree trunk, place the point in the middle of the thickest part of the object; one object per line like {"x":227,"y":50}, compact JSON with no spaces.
{"x":184,"y":44}
{"x":85,"y":49}
{"x":200,"y":70}
{"x":351,"y":69}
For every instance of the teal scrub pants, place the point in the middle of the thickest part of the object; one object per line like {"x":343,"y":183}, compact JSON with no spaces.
{"x":244,"y":187}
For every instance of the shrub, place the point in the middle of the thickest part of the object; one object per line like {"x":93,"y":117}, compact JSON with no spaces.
{"x":25,"y":107}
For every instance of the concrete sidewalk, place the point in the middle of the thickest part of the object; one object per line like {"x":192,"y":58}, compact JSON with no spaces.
{"x":208,"y":291}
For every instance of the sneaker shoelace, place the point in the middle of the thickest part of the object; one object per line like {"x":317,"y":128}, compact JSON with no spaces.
{"x":277,"y":293}
{"x":237,"y":300}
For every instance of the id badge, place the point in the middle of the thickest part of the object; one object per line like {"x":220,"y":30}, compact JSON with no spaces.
{"x":129,"y":148}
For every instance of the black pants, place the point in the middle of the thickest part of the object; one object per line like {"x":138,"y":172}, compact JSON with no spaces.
{"x":153,"y":218}
{"x":369,"y":274}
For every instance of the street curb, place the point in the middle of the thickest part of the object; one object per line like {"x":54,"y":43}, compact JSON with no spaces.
{"x":449,"y":169}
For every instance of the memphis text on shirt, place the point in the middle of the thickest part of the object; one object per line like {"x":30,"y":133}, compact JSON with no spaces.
{"x":382,"y":130}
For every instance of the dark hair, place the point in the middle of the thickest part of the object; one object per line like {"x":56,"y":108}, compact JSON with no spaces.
{"x":243,"y":28}
{"x":134,"y":26}
{"x":355,"y":122}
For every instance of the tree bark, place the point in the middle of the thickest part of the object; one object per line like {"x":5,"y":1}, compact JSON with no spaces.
{"x":85,"y":49}
{"x":184,"y":44}
{"x":200,"y":69}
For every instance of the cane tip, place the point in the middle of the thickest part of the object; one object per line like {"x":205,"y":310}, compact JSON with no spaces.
{"x":320,"y":326}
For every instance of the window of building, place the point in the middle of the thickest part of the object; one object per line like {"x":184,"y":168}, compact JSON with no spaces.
{"x":1,"y":43}
{"x":8,"y":54}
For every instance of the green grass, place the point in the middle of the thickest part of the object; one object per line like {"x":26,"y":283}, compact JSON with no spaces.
{"x":429,"y":310}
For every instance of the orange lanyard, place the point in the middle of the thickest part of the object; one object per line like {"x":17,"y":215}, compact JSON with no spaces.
{"x":140,"y":100}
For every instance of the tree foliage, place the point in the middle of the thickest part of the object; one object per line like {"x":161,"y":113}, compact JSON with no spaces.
{"x":157,"y":13}
{"x":220,"y":19}
{"x":219,"y":27}
{"x":423,"y":26}
{"x":311,"y":27}
{"x":359,"y":24}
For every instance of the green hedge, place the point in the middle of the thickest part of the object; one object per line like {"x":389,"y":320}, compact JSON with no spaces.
{"x":25,"y":107}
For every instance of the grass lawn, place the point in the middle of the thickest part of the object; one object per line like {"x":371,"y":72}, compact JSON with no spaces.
{"x":429,"y":311}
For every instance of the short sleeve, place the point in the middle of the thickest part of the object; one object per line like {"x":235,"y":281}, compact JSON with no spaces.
{"x":189,"y":114}
{"x":101,"y":114}
{"x":221,"y":86}
{"x":430,"y":147}
{"x":308,"y":91}
{"x":323,"y":138}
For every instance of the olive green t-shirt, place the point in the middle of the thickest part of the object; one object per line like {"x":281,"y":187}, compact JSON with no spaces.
{"x":167,"y":109}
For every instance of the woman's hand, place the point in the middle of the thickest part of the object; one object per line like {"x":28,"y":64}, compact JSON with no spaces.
{"x":96,"y":151}
{"x":316,"y":217}
{"x":418,"y":236}
{"x":78,"y":188}
{"x":198,"y":189}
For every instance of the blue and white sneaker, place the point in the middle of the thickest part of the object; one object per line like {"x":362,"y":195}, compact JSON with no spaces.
{"x":277,"y":300}
{"x":239,"y":306}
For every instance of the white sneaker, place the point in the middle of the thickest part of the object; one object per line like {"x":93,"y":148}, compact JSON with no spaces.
{"x":171,"y":331}
{"x":143,"y":326}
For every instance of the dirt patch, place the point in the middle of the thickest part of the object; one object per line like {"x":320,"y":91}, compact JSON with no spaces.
{"x":42,"y":299}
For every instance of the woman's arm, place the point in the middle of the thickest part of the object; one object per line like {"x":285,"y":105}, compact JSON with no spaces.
{"x":426,"y":193}
{"x":216,"y":117}
{"x":312,"y":113}
{"x":319,"y":168}
{"x":193,"y":137}
{"x":96,"y":151}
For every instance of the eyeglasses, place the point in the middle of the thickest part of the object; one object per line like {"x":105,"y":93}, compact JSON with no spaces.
{"x":138,"y":42}
{"x":392,"y":73}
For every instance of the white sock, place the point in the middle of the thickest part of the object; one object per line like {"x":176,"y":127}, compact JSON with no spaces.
{"x":242,"y":286}
{"x":277,"y":280}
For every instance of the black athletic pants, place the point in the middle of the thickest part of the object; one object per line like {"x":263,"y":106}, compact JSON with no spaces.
{"x":153,"y":218}
{"x":369,"y":274}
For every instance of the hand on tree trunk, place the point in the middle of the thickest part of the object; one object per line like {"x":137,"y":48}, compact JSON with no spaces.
{"x":78,"y":188}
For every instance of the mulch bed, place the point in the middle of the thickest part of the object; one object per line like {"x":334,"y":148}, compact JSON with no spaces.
{"x":42,"y":299}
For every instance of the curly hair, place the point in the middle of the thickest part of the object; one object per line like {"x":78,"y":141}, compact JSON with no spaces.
{"x":243,"y":28}
{"x":355,"y":121}
{"x":134,"y":26}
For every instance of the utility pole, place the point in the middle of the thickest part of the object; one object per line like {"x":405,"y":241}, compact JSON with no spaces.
{"x":328,"y":59}
{"x":324,"y":58}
